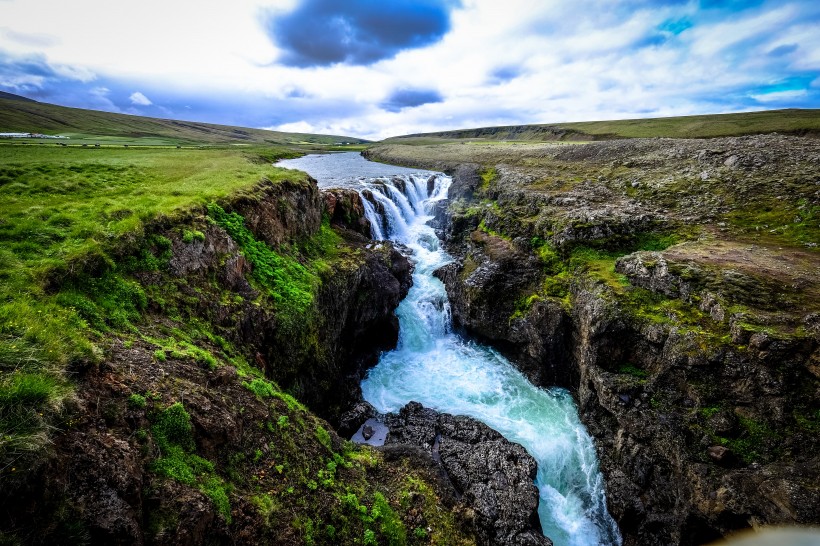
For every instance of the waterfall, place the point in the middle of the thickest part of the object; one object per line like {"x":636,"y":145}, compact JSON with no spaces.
{"x":370,"y":215}
{"x":437,"y":367}
{"x":402,"y":207}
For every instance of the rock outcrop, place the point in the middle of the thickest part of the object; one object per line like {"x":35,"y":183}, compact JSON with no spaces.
{"x":494,"y":476}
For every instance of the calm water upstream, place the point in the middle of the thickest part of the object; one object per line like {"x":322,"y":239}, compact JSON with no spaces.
{"x":435,"y":366}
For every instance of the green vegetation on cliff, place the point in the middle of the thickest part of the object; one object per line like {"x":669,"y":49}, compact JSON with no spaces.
{"x":72,"y":229}
{"x":143,"y":314}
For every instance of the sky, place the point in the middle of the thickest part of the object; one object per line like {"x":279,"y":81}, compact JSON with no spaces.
{"x":380,"y":68}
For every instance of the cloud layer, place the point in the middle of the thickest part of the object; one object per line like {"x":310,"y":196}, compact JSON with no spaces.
{"x":374,"y":69}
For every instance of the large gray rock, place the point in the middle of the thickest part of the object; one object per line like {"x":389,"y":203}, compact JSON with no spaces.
{"x":494,"y":475}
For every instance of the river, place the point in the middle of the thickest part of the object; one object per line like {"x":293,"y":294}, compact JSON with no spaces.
{"x":440,"y":369}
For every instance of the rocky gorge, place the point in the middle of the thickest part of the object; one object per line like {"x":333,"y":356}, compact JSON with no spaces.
{"x":671,"y":286}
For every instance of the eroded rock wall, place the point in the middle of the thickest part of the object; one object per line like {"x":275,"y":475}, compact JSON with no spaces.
{"x":701,"y":430}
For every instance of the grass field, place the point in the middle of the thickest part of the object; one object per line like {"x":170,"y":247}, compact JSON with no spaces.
{"x":62,"y":213}
{"x":792,"y":121}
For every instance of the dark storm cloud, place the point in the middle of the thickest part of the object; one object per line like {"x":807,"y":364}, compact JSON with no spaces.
{"x":359,"y":32}
{"x":410,"y":98}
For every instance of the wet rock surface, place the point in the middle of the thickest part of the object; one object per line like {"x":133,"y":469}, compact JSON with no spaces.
{"x":493,"y":475}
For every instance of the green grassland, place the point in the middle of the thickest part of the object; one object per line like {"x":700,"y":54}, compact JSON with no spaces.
{"x":791,"y":121}
{"x":66,"y":212}
{"x":91,"y":127}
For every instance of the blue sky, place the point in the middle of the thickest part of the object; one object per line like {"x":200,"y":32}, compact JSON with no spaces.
{"x":376,"y":68}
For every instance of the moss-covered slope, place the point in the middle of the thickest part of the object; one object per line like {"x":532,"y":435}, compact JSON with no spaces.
{"x":161,"y":377}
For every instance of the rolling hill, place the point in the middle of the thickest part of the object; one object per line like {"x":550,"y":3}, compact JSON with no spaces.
{"x":791,"y":121}
{"x":19,"y":114}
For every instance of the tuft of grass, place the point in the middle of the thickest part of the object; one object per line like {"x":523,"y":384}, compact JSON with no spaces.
{"x":27,"y":402}
{"x":173,"y":435}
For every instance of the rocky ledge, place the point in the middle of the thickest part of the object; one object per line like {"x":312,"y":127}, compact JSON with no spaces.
{"x":492,"y":476}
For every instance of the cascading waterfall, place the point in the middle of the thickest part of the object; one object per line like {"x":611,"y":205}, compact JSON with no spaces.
{"x":375,"y":221}
{"x":438,"y":368}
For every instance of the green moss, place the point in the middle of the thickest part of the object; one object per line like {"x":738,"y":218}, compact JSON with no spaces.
{"x":137,"y":401}
{"x":291,"y":286}
{"x":630,"y":369}
{"x":488,"y":176}
{"x":391,"y":526}
{"x":807,"y":420}
{"x":173,"y":435}
{"x":189,"y":236}
{"x":216,"y":490}
{"x":523,"y":305}
{"x":324,"y":437}
{"x":261,"y":387}
{"x":180,"y":349}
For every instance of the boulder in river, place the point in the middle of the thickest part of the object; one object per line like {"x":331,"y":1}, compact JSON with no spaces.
{"x":495,"y":476}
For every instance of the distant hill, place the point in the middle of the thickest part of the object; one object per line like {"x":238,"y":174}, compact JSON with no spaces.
{"x":19,"y":114}
{"x":794,"y":121}
{"x":12,"y":96}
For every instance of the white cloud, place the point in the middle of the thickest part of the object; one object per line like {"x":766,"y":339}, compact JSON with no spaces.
{"x":780,"y":96}
{"x":139,"y":99}
{"x":295,"y":127}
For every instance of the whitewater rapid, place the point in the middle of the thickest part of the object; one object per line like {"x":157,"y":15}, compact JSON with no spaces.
{"x":435,"y":366}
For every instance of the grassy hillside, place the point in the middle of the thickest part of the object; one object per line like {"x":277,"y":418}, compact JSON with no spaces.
{"x":62,"y":213}
{"x":107,"y":128}
{"x":791,"y":121}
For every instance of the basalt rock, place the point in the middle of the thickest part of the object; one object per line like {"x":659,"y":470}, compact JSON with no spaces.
{"x":345,"y":209}
{"x":479,"y":291}
{"x":493,"y":475}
